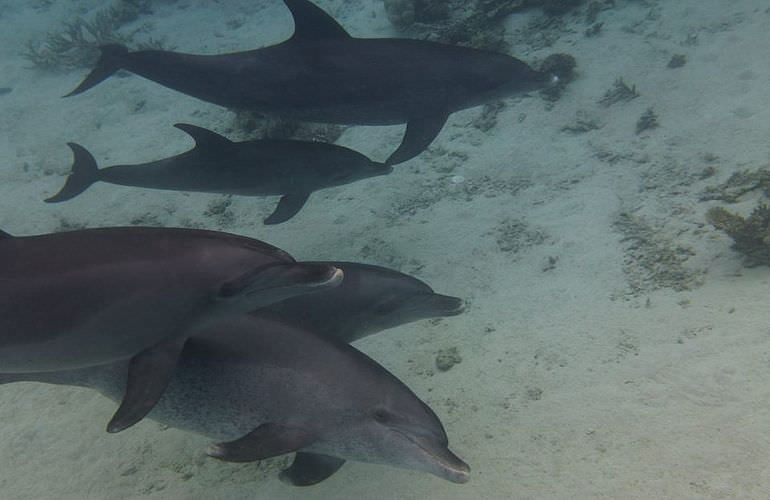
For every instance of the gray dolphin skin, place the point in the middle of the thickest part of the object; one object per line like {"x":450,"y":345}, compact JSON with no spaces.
{"x":264,"y":388}
{"x":88,"y":297}
{"x":291,"y":169}
{"x":370,"y":299}
{"x":322,"y":74}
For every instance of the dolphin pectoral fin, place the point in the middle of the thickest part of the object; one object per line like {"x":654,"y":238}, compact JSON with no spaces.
{"x":267,"y":440}
{"x":149,"y":373}
{"x":287,"y":208}
{"x":310,"y":468}
{"x":207,"y":140}
{"x":311,"y":23}
{"x":420,"y":132}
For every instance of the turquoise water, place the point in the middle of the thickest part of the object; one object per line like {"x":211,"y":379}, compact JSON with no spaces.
{"x":614,"y":343}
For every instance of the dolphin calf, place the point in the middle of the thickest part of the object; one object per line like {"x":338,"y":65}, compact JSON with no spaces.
{"x":88,"y":297}
{"x":370,"y":299}
{"x":263,"y":388}
{"x":322,"y":74}
{"x":292,"y":169}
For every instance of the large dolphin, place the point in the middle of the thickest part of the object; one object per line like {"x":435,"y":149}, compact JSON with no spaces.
{"x":81,"y":298}
{"x":292,"y":169}
{"x":265,"y":388}
{"x":370,"y":299}
{"x":323,"y":74}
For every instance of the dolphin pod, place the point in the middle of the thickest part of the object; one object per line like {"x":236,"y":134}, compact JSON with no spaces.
{"x":293,"y":169}
{"x":322,"y":74}
{"x":264,"y":384}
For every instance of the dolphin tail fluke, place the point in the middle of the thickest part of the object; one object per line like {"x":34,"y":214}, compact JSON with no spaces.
{"x":110,"y":61}
{"x":84,"y":173}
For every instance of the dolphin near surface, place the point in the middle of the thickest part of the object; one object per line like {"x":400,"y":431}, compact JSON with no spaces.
{"x":263,"y":388}
{"x":81,"y":298}
{"x":322,"y":74}
{"x":292,"y":169}
{"x":370,"y":299}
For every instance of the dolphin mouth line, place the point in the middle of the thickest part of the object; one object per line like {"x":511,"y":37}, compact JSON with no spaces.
{"x":464,"y":474}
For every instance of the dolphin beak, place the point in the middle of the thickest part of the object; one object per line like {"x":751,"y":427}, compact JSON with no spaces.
{"x":447,"y":305}
{"x":441,"y":462}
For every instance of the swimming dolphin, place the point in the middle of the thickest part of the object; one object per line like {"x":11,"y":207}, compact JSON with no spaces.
{"x":88,"y":297}
{"x":293,"y":169}
{"x":370,"y":299}
{"x":322,"y":74}
{"x":265,"y":388}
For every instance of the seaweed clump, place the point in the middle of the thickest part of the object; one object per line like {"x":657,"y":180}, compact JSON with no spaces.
{"x":648,"y":121}
{"x":619,"y":92}
{"x":750,"y":235}
{"x":77,"y":43}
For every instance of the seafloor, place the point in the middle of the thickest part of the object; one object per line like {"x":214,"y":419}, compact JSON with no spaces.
{"x":615,"y":345}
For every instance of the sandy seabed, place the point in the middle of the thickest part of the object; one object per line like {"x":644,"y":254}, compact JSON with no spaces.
{"x":590,"y":367}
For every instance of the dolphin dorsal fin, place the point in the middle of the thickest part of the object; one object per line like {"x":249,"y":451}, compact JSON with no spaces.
{"x":312,"y":23}
{"x":204,"y":138}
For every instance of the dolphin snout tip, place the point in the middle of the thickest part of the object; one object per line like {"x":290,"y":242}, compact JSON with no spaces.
{"x":460,"y":473}
{"x":448,"y":305}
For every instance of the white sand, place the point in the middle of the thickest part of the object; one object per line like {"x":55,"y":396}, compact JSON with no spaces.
{"x":569,"y":386}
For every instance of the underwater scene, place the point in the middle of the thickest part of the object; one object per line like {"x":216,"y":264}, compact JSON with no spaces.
{"x":384,"y":249}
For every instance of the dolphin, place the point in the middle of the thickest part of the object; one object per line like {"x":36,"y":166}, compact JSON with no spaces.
{"x":81,"y":298}
{"x":322,"y":74}
{"x":293,"y":169}
{"x":263,"y":388}
{"x":370,"y":299}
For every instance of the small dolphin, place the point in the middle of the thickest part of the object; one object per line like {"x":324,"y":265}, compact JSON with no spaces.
{"x":88,"y":297}
{"x":322,"y":74}
{"x":266,"y":388}
{"x":293,"y":169}
{"x":369,"y":300}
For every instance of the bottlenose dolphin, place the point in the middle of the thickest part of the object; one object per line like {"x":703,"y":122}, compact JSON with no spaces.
{"x":88,"y":297}
{"x":265,"y":388}
{"x":322,"y":74}
{"x":370,"y":299}
{"x":293,"y":169}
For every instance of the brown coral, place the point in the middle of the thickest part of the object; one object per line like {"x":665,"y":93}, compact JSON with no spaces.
{"x":751,"y":235}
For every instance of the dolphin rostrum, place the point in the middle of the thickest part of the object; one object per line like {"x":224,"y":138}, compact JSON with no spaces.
{"x":94,"y":296}
{"x":263,"y":388}
{"x":370,"y":299}
{"x":292,"y":169}
{"x":323,"y":74}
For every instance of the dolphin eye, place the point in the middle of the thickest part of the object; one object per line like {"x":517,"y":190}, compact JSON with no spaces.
{"x":382,"y":416}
